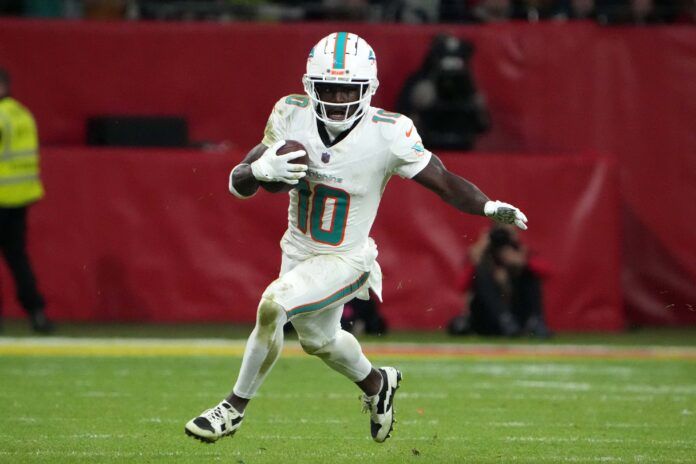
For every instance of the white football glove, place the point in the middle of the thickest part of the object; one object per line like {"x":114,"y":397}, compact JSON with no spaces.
{"x":505,"y":213}
{"x":278,"y":168}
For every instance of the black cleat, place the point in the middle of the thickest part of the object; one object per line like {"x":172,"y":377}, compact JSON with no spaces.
{"x":381,"y":405}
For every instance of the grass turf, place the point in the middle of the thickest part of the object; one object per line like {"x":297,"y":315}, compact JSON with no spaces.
{"x":132,"y":409}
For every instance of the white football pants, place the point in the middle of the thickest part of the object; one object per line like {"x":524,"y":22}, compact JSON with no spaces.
{"x":311,"y":294}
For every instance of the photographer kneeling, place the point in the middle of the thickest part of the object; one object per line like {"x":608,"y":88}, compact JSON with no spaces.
{"x":504,"y":289}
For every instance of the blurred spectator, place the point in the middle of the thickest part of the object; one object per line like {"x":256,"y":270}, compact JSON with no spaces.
{"x":535,"y":10}
{"x":643,"y":12}
{"x":637,"y":12}
{"x":503,"y":288}
{"x":442,"y":99}
{"x":20,"y":187}
{"x":409,"y":11}
{"x":105,"y":9}
{"x":578,"y":10}
{"x":479,"y":11}
{"x":454,"y":11}
{"x":490,"y":11}
{"x":339,"y":10}
{"x":405,"y":11}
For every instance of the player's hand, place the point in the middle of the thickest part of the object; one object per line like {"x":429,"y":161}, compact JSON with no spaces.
{"x":278,"y":168}
{"x":505,"y":213}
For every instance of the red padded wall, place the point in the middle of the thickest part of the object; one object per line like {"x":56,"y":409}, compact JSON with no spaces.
{"x":154,"y":236}
{"x":552,"y":88}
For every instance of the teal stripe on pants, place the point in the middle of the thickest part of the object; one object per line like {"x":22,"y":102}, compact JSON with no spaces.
{"x":342,"y":293}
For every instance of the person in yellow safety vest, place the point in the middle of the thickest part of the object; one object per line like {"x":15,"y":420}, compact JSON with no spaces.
{"x":20,"y":186}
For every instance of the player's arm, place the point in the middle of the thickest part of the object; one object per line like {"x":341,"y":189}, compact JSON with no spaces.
{"x":465,"y":196}
{"x":243,"y":184}
{"x":453,"y":189}
{"x":263,"y":167}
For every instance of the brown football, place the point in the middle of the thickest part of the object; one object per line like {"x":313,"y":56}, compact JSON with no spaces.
{"x":290,"y":145}
{"x":294,"y":145}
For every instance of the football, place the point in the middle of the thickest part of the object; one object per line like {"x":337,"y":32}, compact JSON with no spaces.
{"x":294,"y":145}
{"x":290,"y":145}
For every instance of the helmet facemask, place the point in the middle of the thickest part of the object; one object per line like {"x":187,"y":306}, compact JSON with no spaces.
{"x":334,"y":114}
{"x":341,"y":59}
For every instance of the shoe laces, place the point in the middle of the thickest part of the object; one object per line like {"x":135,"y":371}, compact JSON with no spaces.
{"x":216,"y":414}
{"x":366,"y":403}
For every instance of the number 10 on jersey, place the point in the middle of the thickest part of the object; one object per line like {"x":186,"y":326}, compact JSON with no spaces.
{"x":312,"y":206}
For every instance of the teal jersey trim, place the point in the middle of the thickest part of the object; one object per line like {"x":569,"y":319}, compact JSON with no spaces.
{"x":321,"y":304}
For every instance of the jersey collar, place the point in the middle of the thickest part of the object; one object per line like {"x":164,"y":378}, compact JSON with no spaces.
{"x":323,"y":133}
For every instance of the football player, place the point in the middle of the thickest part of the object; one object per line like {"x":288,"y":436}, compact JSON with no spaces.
{"x":328,"y":258}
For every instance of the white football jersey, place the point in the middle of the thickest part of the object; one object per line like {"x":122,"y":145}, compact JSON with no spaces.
{"x":332,"y":209}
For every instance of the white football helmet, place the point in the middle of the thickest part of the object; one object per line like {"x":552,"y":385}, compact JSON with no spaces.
{"x":341,"y":58}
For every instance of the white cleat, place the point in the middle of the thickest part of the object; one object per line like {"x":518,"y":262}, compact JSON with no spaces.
{"x":381,"y":405}
{"x":221,"y":421}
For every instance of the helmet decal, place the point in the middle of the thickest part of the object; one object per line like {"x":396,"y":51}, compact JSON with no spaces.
{"x":339,"y":56}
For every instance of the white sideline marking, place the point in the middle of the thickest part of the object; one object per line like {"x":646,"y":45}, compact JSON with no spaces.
{"x":545,"y":439}
{"x":103,"y":394}
{"x":546,"y":369}
{"x":554,"y":385}
{"x":643,"y":389}
{"x":510,"y":424}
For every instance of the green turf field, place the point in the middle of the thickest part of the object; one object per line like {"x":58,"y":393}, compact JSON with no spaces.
{"x":532,"y":408}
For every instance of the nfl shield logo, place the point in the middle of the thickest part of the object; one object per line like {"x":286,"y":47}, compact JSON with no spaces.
{"x":325,"y":157}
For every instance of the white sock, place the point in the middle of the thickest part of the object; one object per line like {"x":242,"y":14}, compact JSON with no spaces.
{"x":344,"y":355}
{"x":262,"y":349}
